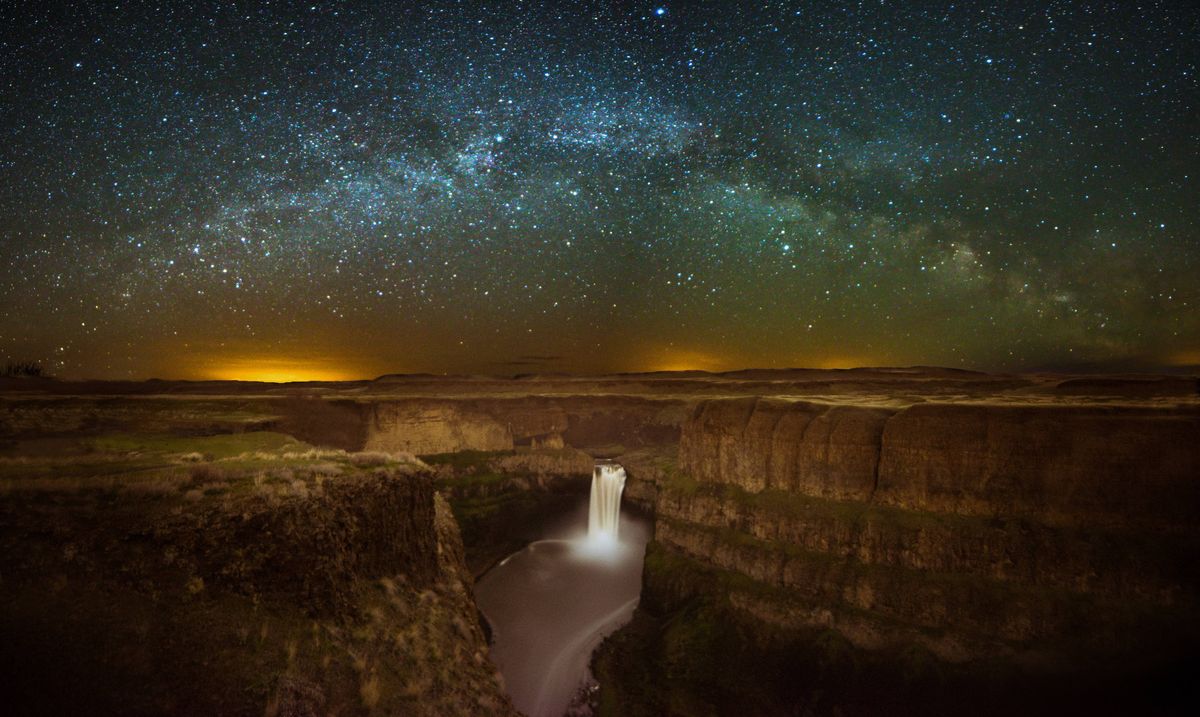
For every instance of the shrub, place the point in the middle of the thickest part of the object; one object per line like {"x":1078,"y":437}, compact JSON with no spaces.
{"x":22,"y":369}
{"x":204,"y":473}
{"x":368,"y":459}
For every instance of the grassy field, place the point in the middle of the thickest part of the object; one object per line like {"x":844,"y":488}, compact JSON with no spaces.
{"x":162,"y":464}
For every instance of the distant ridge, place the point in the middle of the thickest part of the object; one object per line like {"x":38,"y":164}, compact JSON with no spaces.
{"x":761,"y":374}
{"x":1147,"y":383}
{"x":1126,"y":385}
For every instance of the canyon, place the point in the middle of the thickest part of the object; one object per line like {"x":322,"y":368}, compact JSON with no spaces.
{"x":850,"y":542}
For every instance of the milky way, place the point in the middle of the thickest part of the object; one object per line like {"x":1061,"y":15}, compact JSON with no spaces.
{"x":341,"y":190}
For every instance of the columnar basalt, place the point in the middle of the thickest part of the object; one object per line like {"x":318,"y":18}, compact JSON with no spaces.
{"x":974,"y":530}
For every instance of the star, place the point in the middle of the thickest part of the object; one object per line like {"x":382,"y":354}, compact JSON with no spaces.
{"x":370,"y":185}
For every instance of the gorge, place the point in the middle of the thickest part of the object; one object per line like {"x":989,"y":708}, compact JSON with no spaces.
{"x":550,"y":604}
{"x":823,"y":542}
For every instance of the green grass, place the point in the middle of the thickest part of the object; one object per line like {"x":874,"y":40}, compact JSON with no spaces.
{"x":210,"y":447}
{"x":469,"y":510}
{"x":474,"y":480}
{"x":161,"y":464}
{"x":678,"y":482}
{"x":58,"y":416}
{"x":465,"y":460}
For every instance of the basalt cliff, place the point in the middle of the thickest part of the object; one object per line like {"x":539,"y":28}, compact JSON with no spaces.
{"x":973,"y":530}
{"x":922,"y":550}
{"x":280,"y":580}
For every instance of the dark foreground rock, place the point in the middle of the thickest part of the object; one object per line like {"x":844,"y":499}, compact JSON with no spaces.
{"x":339,"y":590}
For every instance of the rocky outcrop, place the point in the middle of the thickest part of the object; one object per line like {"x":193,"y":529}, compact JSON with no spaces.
{"x":423,"y":427}
{"x":428,"y":426}
{"x":311,"y":548}
{"x":550,"y":440}
{"x":1018,"y":551}
{"x":289,"y":588}
{"x":645,"y":470}
{"x":545,"y":462}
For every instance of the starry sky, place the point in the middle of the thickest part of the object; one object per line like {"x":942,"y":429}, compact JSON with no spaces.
{"x":340,"y":190}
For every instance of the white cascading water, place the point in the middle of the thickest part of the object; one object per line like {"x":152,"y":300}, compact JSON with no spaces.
{"x":604,"y":511}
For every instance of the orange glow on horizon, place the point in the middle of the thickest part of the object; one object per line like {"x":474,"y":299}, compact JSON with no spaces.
{"x":1187,"y":357}
{"x":275,"y":370}
{"x":674,"y":360}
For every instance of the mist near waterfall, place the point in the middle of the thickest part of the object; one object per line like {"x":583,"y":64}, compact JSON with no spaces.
{"x":551,"y":604}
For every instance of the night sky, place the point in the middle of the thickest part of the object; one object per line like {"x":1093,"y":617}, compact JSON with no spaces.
{"x":322,"y":190}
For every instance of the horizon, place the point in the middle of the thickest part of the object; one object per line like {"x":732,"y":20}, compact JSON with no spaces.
{"x":1166,"y":371}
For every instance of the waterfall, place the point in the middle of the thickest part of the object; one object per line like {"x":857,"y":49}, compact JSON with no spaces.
{"x":604,"y":511}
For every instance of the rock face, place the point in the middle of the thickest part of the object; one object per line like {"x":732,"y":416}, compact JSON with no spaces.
{"x":427,"y":426}
{"x":973,"y":530}
{"x":311,"y":549}
{"x":807,"y":448}
{"x":550,"y":440}
{"x":423,"y":427}
{"x":1060,"y":464}
{"x":545,"y":462}
{"x":645,"y":470}
{"x":503,"y":499}
{"x":342,"y":590}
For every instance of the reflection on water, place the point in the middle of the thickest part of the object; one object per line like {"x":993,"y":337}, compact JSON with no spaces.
{"x":552,"y":603}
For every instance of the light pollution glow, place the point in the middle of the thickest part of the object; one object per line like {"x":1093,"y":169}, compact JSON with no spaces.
{"x":274,"y":370}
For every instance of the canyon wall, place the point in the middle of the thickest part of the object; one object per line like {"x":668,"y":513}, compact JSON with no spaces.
{"x":1062,"y":464}
{"x":428,"y":426}
{"x":1059,"y":463}
{"x":312,"y":548}
{"x":973,"y":530}
{"x":327,"y":588}
{"x":423,"y":427}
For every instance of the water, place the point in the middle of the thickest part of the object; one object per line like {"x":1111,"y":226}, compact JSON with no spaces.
{"x":604,"y":509}
{"x":552,"y":603}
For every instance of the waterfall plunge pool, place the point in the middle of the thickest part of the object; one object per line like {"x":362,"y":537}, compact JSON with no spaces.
{"x":553,"y":602}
